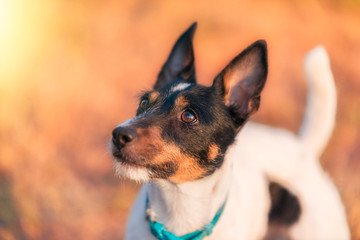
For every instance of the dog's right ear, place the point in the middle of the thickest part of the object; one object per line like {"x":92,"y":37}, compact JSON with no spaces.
{"x":180,"y":61}
{"x":242,"y":80}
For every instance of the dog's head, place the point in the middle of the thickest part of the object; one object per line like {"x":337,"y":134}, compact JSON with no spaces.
{"x":182,"y":130}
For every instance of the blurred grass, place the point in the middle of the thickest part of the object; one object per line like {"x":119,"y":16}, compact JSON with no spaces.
{"x":70,"y":72}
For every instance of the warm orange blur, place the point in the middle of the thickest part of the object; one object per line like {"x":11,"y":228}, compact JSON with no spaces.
{"x":70,"y":71}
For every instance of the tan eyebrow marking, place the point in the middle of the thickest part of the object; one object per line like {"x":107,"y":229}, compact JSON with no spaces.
{"x":153,"y":96}
{"x":181,"y":101}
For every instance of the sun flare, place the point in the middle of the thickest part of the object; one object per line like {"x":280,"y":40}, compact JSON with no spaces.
{"x":21,"y":36}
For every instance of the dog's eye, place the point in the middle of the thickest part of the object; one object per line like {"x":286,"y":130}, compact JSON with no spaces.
{"x":144,"y":104}
{"x":188,"y":116}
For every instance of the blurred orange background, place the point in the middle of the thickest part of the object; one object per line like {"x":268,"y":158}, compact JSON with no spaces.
{"x":70,"y":72}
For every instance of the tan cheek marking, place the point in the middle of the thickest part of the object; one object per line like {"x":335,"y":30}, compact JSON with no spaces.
{"x":187,"y":167}
{"x":188,"y":170}
{"x":213,"y":152}
{"x":169,"y":153}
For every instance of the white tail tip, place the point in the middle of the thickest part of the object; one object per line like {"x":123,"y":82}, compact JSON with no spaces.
{"x":321,"y":106}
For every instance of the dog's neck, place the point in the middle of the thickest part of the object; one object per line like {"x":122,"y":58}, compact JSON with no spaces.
{"x":187,"y":207}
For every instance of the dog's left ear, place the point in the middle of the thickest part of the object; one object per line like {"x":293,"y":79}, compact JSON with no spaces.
{"x":242,"y":80}
{"x":180,"y":61}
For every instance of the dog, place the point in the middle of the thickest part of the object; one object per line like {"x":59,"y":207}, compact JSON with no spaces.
{"x":206,"y":169}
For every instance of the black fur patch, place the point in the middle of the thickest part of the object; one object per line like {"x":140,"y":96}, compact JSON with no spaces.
{"x":285,"y":207}
{"x":162,"y":171}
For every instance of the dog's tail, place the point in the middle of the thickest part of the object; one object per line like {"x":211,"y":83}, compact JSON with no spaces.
{"x":320,"y":112}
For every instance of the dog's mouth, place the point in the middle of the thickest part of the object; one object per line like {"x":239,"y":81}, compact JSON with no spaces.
{"x":118,"y":156}
{"x":123,"y":158}
{"x":128,"y":167}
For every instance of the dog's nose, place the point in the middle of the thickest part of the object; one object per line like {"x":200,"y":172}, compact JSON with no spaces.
{"x":122,"y":136}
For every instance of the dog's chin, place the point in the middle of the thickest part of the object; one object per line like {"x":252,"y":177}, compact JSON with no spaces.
{"x":126,"y":167}
{"x":129,"y":171}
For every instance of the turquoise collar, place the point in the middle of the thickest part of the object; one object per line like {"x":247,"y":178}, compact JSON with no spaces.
{"x":160,"y":232}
